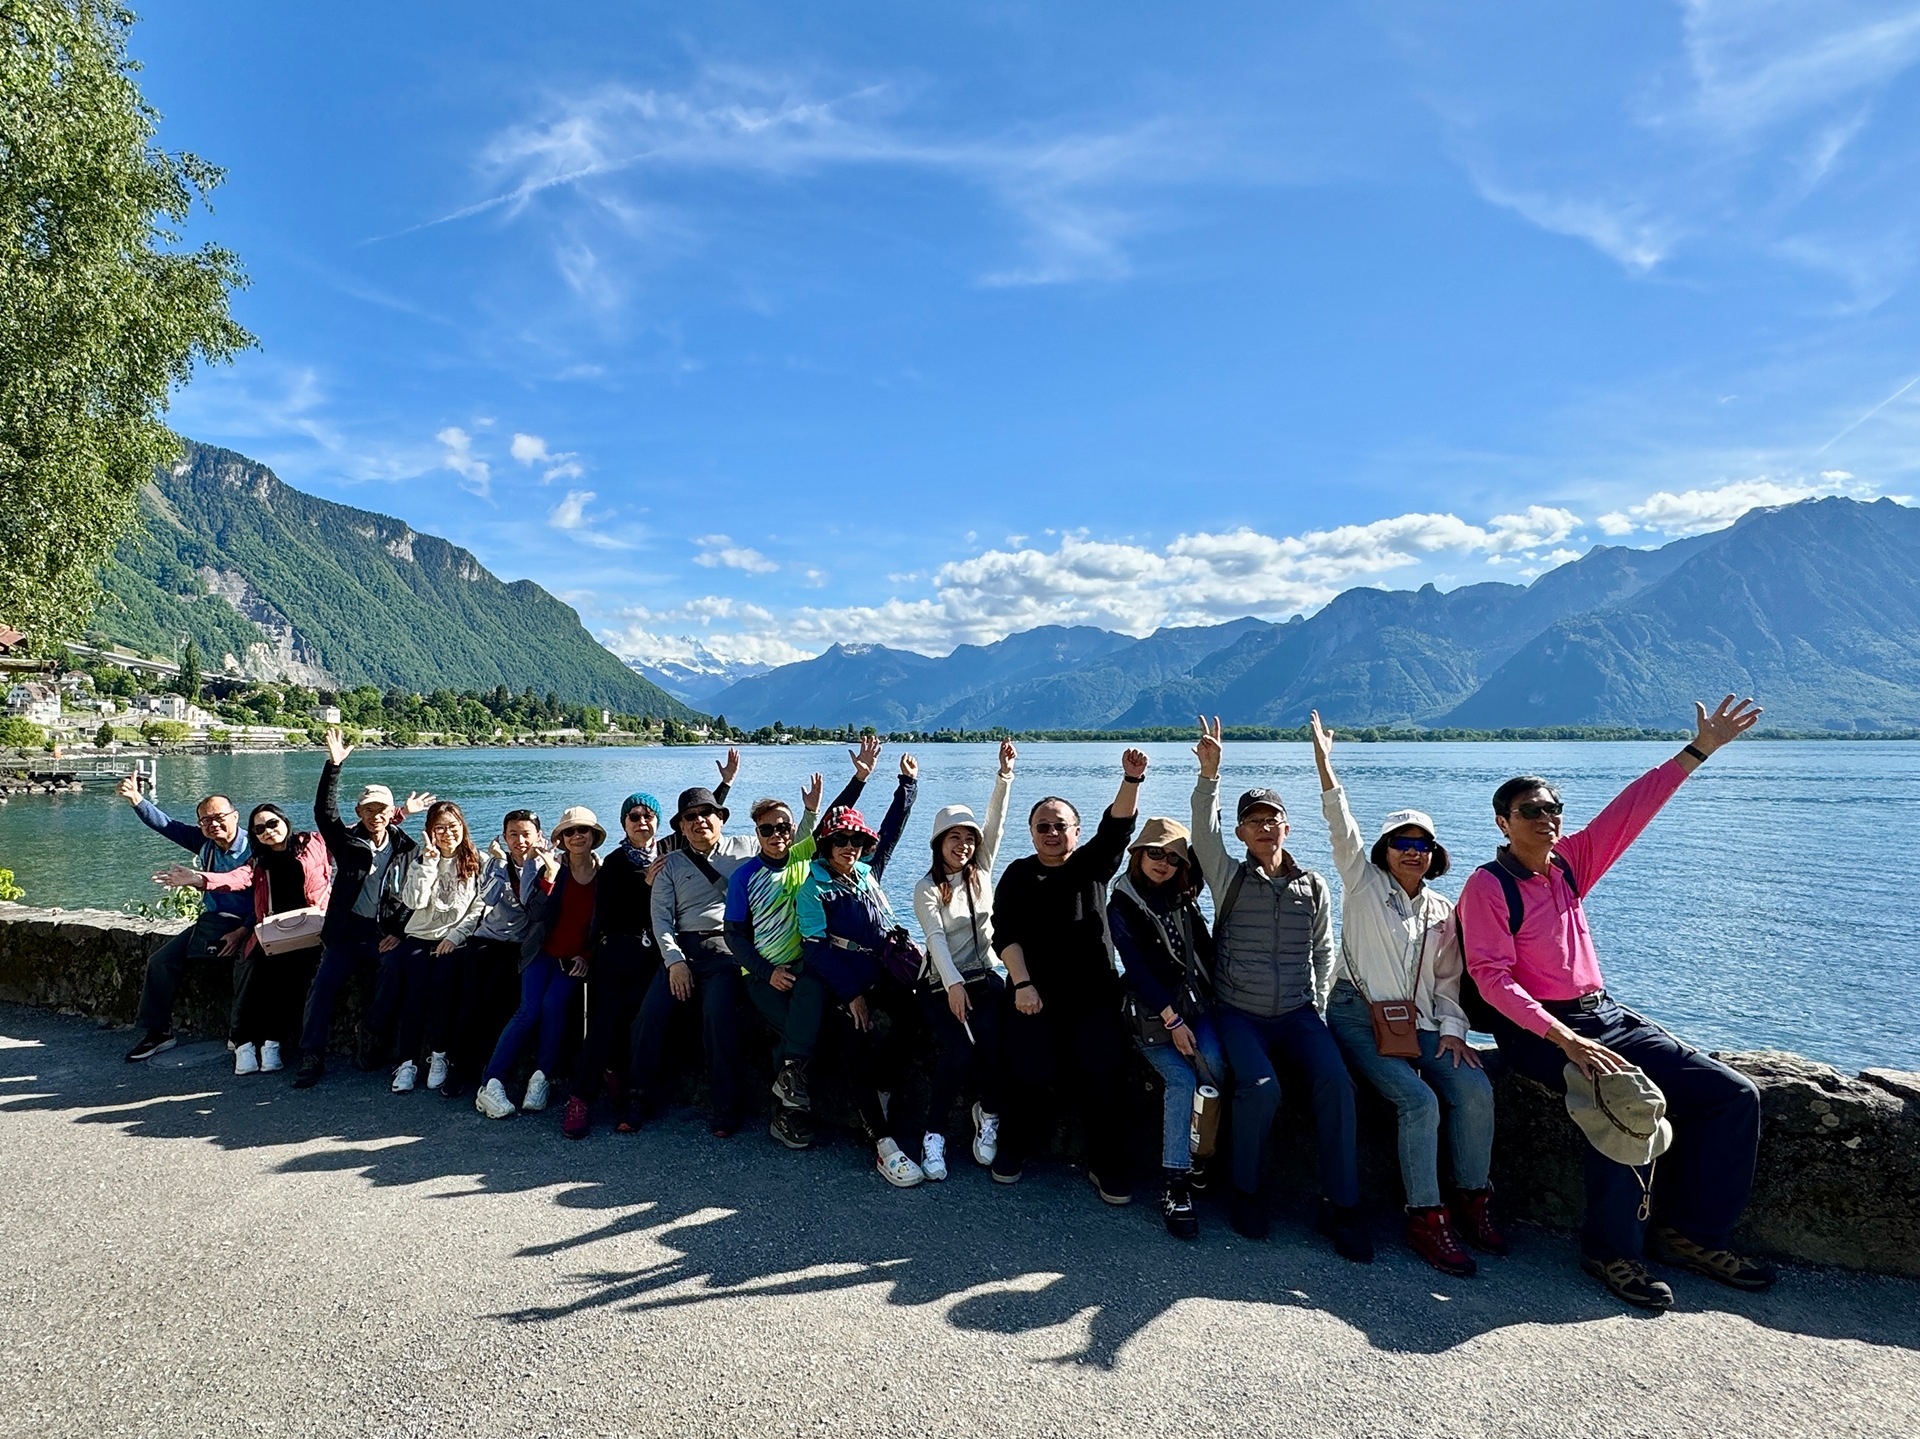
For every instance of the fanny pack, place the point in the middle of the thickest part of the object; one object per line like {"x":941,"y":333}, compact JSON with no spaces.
{"x":898,"y":955}
{"x":290,"y":929}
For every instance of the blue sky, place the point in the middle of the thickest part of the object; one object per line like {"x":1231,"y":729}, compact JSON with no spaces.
{"x":777,"y":325}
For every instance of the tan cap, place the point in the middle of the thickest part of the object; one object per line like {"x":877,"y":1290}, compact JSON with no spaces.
{"x":374,"y":794}
{"x":1161,"y":833}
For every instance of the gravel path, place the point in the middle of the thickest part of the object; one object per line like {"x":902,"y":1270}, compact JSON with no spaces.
{"x":190,"y":1253}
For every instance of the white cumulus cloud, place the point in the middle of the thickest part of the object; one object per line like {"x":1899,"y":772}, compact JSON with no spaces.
{"x":719,"y":550}
{"x":475,"y":474}
{"x":532,"y":450}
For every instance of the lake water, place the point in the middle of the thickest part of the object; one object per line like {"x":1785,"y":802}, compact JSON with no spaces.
{"x":1770,"y":905}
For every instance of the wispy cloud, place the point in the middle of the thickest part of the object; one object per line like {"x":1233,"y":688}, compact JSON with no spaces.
{"x":720,"y":550}
{"x":570,"y":516}
{"x":476,"y":475}
{"x":532,"y":450}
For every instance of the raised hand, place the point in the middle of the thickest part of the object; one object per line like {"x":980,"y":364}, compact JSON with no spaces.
{"x":909,"y":766}
{"x":178,"y":876}
{"x":1008,"y":754}
{"x":1727,"y":722}
{"x":1209,"y":749}
{"x":337,"y":748}
{"x":866,"y":757}
{"x":417,"y":802}
{"x":1323,"y":751}
{"x":130,"y":787}
{"x":729,"y":767}
{"x":1134,"y":763}
{"x":810,"y":796}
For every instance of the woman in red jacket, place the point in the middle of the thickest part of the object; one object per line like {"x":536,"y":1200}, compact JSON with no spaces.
{"x":288,"y":871}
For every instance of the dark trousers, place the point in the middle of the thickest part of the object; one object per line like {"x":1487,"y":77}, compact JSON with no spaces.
{"x":795,"y":1015}
{"x":1703,"y":1182}
{"x":488,"y":980}
{"x":167,"y":966}
{"x":546,"y":994}
{"x":389,"y":988}
{"x":717,"y":988}
{"x":867,"y":1054}
{"x":960,"y":1061}
{"x":616,"y":985}
{"x":424,"y":984}
{"x":266,"y":993}
{"x":355,"y":945}
{"x":1299,"y":1038}
{"x":1079,"y":1053}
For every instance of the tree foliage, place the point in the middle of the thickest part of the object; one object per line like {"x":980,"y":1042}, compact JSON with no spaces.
{"x":102,"y":310}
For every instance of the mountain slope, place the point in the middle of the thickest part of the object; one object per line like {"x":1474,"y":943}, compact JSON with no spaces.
{"x":291,"y":584}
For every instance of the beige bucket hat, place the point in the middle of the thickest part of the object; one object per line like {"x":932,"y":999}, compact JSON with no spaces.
{"x":1624,"y":1115}
{"x":580,"y":817}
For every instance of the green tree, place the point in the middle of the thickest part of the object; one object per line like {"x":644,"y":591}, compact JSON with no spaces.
{"x":16,"y":733}
{"x":105,"y":736}
{"x":164,"y":732}
{"x":188,"y":683}
{"x":101,"y":309}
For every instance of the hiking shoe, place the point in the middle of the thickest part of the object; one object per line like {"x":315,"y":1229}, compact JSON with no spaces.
{"x":312,"y":1066}
{"x":1430,"y":1235}
{"x":1115,"y":1191}
{"x":1473,"y":1221}
{"x":535,"y":1099}
{"x":437,"y":1069}
{"x":368,"y":1051}
{"x":792,"y":1128}
{"x":245,"y":1061}
{"x":1247,"y":1214}
{"x":635,"y":1116}
{"x":1005,"y":1168}
{"x":1176,"y":1207}
{"x":1669,"y":1246}
{"x":986,"y":1137}
{"x":1342,"y":1224}
{"x":574,"y":1123}
{"x":1629,"y":1280}
{"x":492,"y":1101}
{"x":1200,"y":1177}
{"x":894,"y":1166}
{"x":790,"y":1086}
{"x":152,"y":1043}
{"x":406,"y":1074}
{"x":270,"y":1057}
{"x":933,"y":1156}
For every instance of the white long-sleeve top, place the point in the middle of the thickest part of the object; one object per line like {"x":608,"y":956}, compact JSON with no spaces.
{"x":959,"y":938}
{"x":1386,"y":934}
{"x":444,"y":905}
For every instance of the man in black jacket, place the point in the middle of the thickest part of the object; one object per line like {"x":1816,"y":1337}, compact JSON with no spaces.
{"x":368,"y":858}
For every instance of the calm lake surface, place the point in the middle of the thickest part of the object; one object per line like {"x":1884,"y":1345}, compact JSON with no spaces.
{"x":1771,"y":905}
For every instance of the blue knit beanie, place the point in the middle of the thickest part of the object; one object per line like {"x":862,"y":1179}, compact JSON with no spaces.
{"x":640,"y":799}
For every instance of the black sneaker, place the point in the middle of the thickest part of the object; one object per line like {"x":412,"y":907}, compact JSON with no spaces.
{"x":1005,"y":1168}
{"x":790,"y":1086}
{"x":312,"y":1066}
{"x":369,"y":1052}
{"x":792,"y":1128}
{"x":1342,"y":1224}
{"x":1629,"y":1280}
{"x":1114,"y":1190}
{"x":153,"y":1043}
{"x":456,"y":1086}
{"x":1176,"y":1208}
{"x":1667,"y":1245}
{"x":1247,"y":1214}
{"x":1200,"y":1177}
{"x":635,"y":1117}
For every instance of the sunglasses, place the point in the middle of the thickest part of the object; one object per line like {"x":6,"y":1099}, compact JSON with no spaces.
{"x":1045,"y":827}
{"x":1163,"y":856}
{"x":840,"y":841}
{"x":267,"y":826}
{"x":1538,"y":811}
{"x":778,"y":826}
{"x":700,"y":814}
{"x":641,"y":813}
{"x":1411,"y":844}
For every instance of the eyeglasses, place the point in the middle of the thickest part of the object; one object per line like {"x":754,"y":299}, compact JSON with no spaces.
{"x":778,"y":826}
{"x":1045,"y":827}
{"x":1411,"y":844}
{"x":220,"y":816}
{"x":1264,"y":822}
{"x":1163,"y":856}
{"x":1539,"y":811}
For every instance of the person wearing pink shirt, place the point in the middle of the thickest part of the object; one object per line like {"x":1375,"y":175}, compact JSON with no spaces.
{"x":1531,"y":953}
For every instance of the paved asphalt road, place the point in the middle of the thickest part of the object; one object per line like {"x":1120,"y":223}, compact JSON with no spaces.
{"x":190,"y":1253}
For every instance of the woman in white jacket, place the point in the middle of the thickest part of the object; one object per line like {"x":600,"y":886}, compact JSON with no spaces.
{"x":1399,"y":942}
{"x":953,"y":901}
{"x":442,"y":889}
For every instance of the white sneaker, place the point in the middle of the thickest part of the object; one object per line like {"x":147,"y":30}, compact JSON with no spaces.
{"x":270,"y":1056}
{"x":933,"y":1156}
{"x":492,"y":1100}
{"x":986,"y":1135}
{"x":245,"y":1061}
{"x":536,"y":1096}
{"x":894,"y":1166}
{"x":436,"y":1069}
{"x":405,"y":1076}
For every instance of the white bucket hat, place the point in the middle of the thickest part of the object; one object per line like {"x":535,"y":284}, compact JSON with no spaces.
{"x":1623,"y":1115}
{"x":953,"y":816}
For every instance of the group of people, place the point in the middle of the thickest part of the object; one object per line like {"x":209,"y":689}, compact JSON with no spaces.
{"x":1022,"y":995}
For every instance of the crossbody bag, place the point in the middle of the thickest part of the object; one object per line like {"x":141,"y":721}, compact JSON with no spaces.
{"x":1396,"y":1022}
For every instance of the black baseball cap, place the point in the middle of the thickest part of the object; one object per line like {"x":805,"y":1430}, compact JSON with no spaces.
{"x":1259,"y":799}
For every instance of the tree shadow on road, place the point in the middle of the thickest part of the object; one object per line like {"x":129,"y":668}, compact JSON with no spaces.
{"x":711,"y":1220}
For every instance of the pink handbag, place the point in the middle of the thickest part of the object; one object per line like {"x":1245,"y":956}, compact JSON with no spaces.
{"x":290,"y":929}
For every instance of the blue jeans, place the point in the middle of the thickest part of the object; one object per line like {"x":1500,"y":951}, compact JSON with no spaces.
{"x":1183,"y":1076}
{"x":1703,"y":1182}
{"x":1417,"y":1088}
{"x":545,"y":992}
{"x":1301,"y":1038}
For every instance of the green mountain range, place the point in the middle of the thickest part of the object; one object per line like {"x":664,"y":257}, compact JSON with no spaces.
{"x":280,"y":583}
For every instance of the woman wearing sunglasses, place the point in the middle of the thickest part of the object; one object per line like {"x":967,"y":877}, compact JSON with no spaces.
{"x":1398,"y":943}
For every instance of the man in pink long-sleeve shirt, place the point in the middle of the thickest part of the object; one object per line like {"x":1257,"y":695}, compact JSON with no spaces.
{"x":1542,"y":977}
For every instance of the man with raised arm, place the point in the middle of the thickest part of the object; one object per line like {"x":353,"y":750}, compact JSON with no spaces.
{"x":219,"y":843}
{"x":1532,"y":955}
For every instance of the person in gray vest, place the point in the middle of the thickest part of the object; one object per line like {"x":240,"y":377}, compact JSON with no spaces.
{"x":1273,"y":934}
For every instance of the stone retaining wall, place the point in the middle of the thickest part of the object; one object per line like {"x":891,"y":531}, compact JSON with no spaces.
{"x":1839,"y":1179}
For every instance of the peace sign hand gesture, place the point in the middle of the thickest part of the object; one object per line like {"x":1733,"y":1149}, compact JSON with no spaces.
{"x":1209,"y":749}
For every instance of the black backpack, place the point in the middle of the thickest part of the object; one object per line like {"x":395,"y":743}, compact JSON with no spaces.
{"x":1480,"y":1014}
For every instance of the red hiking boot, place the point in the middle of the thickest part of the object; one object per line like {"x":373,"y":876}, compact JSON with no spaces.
{"x":574,"y":1123}
{"x":1430,"y":1235}
{"x":1473,"y":1221}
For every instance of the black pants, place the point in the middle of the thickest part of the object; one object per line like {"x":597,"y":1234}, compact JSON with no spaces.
{"x":1080,"y":1053}
{"x":266,"y":993}
{"x":420,"y":983}
{"x":871,"y":1060}
{"x":616,"y":985}
{"x":355,"y":946}
{"x":1702,"y":1183}
{"x":795,"y":1015}
{"x":487,"y":981}
{"x":716,"y":993}
{"x":960,"y":1061}
{"x":167,"y":966}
